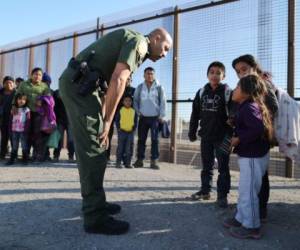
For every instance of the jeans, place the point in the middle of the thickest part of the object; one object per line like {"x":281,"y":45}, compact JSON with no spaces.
{"x":208,"y":152}
{"x":251,"y":172}
{"x":125,"y":147}
{"x":146,"y":123}
{"x":16,"y":137}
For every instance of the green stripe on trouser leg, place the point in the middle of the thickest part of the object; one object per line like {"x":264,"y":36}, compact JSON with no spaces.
{"x":86,"y":125}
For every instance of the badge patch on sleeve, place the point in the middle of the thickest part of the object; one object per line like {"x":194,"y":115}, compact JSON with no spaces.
{"x":142,"y":49}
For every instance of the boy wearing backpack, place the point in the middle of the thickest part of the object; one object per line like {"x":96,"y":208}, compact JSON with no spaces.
{"x":150,"y":105}
{"x":210,"y":107}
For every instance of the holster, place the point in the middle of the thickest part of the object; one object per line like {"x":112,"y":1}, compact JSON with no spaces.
{"x":85,"y":79}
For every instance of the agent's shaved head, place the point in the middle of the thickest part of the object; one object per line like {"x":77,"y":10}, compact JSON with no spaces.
{"x":160,"y":43}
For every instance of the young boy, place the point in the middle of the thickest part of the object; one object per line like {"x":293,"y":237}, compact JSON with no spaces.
{"x":126,"y":122}
{"x":210,"y":108}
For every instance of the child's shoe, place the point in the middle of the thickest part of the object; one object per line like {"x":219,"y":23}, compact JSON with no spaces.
{"x":200,"y":195}
{"x":24,"y":157}
{"x":118,"y":165}
{"x":12,"y":159}
{"x":245,"y":233}
{"x":139,"y":163}
{"x":231,"y":222}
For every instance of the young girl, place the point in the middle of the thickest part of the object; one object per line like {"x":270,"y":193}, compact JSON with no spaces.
{"x":245,"y":65}
{"x":253,"y":130}
{"x":19,"y":127}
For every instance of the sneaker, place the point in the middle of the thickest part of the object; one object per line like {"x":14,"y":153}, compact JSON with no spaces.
{"x":118,"y":165}
{"x":139,"y":163}
{"x":245,"y":233}
{"x":109,"y":227}
{"x":128,"y":166}
{"x":112,"y":208}
{"x":200,"y":195}
{"x":222,"y":202}
{"x":154,"y":165}
{"x":231,"y":222}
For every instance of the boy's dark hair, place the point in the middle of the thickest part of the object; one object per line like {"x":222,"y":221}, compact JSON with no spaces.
{"x":127,"y":96}
{"x":19,"y":79}
{"x":18,"y":96}
{"x":8,"y":78}
{"x":218,"y":65}
{"x":250,"y":60}
{"x":148,"y":69}
{"x":36,"y":70}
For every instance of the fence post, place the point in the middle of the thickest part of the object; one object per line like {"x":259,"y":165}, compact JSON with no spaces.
{"x":48,"y":56}
{"x":102,"y":30}
{"x":173,"y":146}
{"x":2,"y":67}
{"x":75,"y":44}
{"x":289,"y":168}
{"x":31,"y":59}
{"x":98,"y":28}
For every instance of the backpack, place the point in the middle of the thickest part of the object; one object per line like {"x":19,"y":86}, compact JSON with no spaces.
{"x":227,"y":94}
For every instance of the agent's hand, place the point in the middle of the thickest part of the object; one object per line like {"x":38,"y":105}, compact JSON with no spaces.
{"x":103,"y":137}
{"x":235,"y":141}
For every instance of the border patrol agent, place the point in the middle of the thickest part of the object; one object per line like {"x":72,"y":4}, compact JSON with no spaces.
{"x":112,"y":58}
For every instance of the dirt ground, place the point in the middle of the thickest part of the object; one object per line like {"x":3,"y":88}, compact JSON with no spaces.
{"x":40,"y":208}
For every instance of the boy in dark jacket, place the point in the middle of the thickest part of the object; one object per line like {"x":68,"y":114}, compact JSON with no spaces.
{"x":210,"y":107}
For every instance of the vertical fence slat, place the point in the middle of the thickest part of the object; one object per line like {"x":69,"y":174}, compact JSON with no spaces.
{"x":173,"y":147}
{"x":75,"y":44}
{"x":98,"y":29}
{"x":31,"y":59}
{"x":2,"y":67}
{"x":289,"y":168}
{"x":48,"y":56}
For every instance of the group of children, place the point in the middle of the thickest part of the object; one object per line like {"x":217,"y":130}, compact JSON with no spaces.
{"x":28,"y":116}
{"x":241,"y":120}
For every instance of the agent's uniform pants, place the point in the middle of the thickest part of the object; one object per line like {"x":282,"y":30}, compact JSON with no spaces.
{"x":84,"y":113}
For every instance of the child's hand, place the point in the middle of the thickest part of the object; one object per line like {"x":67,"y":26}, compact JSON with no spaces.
{"x":38,"y":103}
{"x":192,"y":137}
{"x":14,"y":110}
{"x":230,"y":122}
{"x":235,"y":141}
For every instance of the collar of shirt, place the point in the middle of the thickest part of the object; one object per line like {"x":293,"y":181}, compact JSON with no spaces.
{"x":35,"y":84}
{"x":153,"y":85}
